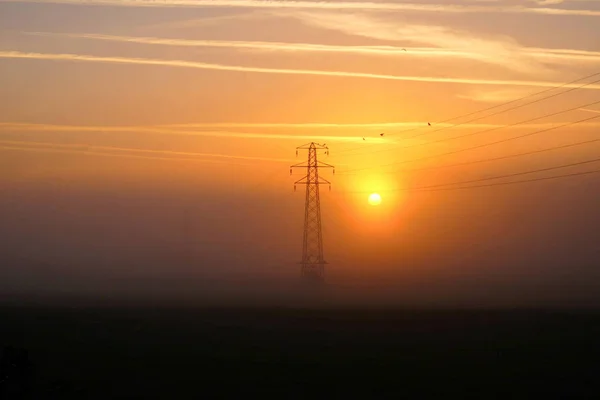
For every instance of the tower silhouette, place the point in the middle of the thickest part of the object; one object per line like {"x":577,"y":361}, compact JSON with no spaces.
{"x":313,"y":263}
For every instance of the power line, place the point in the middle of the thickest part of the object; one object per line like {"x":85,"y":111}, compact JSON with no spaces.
{"x":482,"y":145}
{"x":497,"y":106}
{"x":513,"y":174}
{"x":503,"y":157}
{"x":517,"y":182}
{"x":512,"y":101}
{"x":508,"y":109}
{"x":490,"y":184}
{"x":491,"y":129}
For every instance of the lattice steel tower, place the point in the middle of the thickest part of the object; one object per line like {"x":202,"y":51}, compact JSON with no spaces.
{"x":313,"y":263}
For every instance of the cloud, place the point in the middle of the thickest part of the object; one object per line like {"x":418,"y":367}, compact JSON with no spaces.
{"x":148,"y":151}
{"x":494,"y":96}
{"x":51,"y":148}
{"x":182,"y":129}
{"x":547,"y":2}
{"x":376,"y":126}
{"x":503,"y":51}
{"x":249,"y":45}
{"x":564,"y":54}
{"x":548,"y":55}
{"x":236,"y":68}
{"x":209,"y":21}
{"x":192,"y":129}
{"x":328,"y":5}
{"x":589,"y":110}
{"x":173,"y":155}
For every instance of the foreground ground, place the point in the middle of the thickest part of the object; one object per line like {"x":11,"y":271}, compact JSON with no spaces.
{"x":102,"y":353}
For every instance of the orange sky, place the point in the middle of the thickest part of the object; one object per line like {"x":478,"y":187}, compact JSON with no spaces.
{"x":205,"y":102}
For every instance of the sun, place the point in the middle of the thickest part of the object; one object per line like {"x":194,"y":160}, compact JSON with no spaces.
{"x":374,"y":199}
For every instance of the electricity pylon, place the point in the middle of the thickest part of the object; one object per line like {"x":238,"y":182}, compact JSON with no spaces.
{"x":312,"y":247}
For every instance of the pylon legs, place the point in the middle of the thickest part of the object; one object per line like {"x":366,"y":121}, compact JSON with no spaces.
{"x":313,"y":272}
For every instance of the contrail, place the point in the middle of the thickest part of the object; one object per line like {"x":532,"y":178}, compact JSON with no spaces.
{"x":314,"y":125}
{"x":117,"y":155}
{"x":573,"y":55}
{"x":166,"y":127}
{"x":323,"y":5}
{"x":165,"y":130}
{"x":189,"y":129}
{"x":589,"y":110}
{"x":221,"y":67}
{"x":189,"y":155}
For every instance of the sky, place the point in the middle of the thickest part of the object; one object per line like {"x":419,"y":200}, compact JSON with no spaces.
{"x":145,"y":148}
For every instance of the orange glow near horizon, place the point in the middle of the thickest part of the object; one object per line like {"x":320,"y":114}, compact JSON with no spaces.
{"x":209,"y":104}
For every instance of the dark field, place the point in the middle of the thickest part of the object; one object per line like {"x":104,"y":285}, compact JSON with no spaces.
{"x":97,"y":353}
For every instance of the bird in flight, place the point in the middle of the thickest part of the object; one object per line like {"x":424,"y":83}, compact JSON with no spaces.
{"x":429,"y":123}
{"x":381,"y":134}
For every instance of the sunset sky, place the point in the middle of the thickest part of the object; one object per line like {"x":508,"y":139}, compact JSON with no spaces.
{"x":147,"y":145}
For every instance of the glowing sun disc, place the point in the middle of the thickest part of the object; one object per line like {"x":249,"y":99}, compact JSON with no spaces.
{"x":374,"y":199}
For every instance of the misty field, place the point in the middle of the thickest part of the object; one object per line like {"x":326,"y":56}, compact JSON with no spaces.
{"x":193,"y":353}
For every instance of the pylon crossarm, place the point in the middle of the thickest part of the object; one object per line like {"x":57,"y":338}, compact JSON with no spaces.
{"x":319,"y":165}
{"x":321,"y":181}
{"x":314,"y":145}
{"x":298,"y":165}
{"x":323,"y":165}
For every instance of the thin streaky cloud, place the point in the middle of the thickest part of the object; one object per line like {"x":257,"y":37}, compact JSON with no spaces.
{"x":236,"y":68}
{"x":325,"y":5}
{"x":309,"y":125}
{"x":117,"y":155}
{"x":405,"y":51}
{"x":567,"y":51}
{"x":495,"y":50}
{"x":590,"y":110}
{"x":186,"y":155}
{"x":564,"y":54}
{"x":169,"y":131}
{"x":191,"y":129}
{"x":494,"y":96}
{"x":255,"y":45}
{"x":208,"y":21}
{"x":547,"y":2}
{"x":373,"y":126}
{"x":299,"y":125}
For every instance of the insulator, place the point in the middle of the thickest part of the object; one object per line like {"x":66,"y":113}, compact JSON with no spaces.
{"x":296,"y":153}
{"x":334,"y":171}
{"x":330,"y":188}
{"x":290,"y":171}
{"x":294,"y":188}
